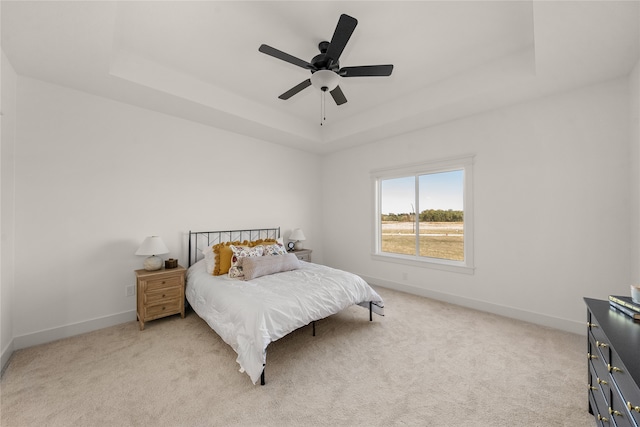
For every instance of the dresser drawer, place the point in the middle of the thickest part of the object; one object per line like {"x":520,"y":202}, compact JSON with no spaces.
{"x":629,"y":390}
{"x":152,"y":297}
{"x":164,"y":309}
{"x":599,"y":406}
{"x":601,"y":342}
{"x":597,"y":360}
{"x":166,"y":282}
{"x":600,"y":385}
{"x":618,"y":410}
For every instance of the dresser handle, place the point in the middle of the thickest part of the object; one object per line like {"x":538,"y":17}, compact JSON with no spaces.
{"x":613,"y":368}
{"x":633,"y":408}
{"x":592,"y":388}
{"x":591,"y":356}
{"x":592,"y":325}
{"x":601,"y":344}
{"x":604,"y":382}
{"x":614,"y":412}
{"x":603,"y":419}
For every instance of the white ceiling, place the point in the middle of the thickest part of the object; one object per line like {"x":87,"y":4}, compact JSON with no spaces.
{"x":200,"y":61}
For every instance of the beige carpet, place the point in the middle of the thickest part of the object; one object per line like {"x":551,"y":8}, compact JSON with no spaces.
{"x":426,"y":363}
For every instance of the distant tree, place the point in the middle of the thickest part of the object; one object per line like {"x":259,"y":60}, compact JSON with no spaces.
{"x":439,"y":215}
{"x":427,"y":215}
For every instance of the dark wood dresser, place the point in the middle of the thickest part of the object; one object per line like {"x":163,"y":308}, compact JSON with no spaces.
{"x":613,"y":351}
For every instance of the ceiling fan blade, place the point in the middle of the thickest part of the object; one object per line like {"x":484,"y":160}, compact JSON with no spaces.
{"x":338,"y":96}
{"x":297,"y":88}
{"x":366,"y":70}
{"x":271,"y":51}
{"x":342,"y":34}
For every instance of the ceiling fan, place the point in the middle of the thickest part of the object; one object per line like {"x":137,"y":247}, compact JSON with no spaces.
{"x":325,"y":67}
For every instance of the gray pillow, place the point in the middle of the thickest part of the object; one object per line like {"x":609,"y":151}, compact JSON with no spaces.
{"x":254,"y":267}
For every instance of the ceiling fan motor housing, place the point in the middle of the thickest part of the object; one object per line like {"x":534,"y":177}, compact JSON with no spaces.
{"x":322,"y":61}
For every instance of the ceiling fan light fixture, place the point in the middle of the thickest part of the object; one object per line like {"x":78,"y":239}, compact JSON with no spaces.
{"x":322,"y":79}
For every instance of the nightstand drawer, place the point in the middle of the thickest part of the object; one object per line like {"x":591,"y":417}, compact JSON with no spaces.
{"x":161,"y":310}
{"x":302,"y":254}
{"x":162,"y":295}
{"x":167,"y":282}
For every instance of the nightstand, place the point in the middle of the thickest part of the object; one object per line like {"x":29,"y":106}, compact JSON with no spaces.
{"x":302,"y":254}
{"x":160,"y":293}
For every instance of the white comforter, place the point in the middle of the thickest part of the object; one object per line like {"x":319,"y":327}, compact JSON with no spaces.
{"x":250,"y":315}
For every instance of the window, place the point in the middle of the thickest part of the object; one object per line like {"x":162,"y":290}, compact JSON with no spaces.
{"x":424,"y":214}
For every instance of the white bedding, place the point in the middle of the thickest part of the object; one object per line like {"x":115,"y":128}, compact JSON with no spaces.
{"x":248,"y":315}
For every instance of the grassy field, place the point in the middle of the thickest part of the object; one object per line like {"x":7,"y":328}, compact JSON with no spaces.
{"x":443,"y":240}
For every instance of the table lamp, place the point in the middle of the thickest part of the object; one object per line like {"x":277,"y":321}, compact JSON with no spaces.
{"x":297,"y":236}
{"x":152,"y":245}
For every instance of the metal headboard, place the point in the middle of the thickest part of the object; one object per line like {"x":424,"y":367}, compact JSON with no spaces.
{"x":198,"y":240}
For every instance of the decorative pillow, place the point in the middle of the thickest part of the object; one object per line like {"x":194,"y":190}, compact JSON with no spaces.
{"x":263,"y":242}
{"x":239,"y":252}
{"x":222,"y":267}
{"x":253,"y":267}
{"x":275,"y":249}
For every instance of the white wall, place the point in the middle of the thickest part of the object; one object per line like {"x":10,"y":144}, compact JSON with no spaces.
{"x":552,"y":210}
{"x":634,"y":98}
{"x":94,"y":177}
{"x":7,"y":144}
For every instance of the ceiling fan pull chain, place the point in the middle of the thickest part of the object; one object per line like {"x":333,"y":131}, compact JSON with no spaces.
{"x":322,"y":106}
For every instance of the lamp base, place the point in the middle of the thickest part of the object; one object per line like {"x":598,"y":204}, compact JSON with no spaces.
{"x":153,"y":263}
{"x":298,"y":245}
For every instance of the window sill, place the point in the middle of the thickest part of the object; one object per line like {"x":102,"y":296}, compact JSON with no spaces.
{"x":437,"y":264}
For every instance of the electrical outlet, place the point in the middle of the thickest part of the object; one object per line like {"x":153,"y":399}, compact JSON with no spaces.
{"x":130,"y":290}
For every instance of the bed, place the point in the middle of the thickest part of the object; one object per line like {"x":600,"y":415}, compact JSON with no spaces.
{"x":252,"y":311}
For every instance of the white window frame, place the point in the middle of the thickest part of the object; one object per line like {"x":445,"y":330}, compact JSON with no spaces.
{"x":445,"y":165}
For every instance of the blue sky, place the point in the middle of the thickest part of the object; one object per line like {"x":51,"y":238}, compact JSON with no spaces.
{"x":437,"y":191}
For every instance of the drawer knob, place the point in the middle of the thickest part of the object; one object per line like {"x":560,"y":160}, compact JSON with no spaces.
{"x":603,"y":419}
{"x":614,"y":412}
{"x":592,"y":325}
{"x":592,"y":388}
{"x":613,"y":368}
{"x":591,"y":356}
{"x":601,"y":344}
{"x":633,"y":408}
{"x":603,"y":382}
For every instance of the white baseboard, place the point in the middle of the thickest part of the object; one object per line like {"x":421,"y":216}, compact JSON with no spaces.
{"x":54,"y":334}
{"x":568,"y":325}
{"x":7,"y":352}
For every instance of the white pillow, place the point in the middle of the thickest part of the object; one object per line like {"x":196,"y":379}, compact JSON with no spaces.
{"x":209,"y":258}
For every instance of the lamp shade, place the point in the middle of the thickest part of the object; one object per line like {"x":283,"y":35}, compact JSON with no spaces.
{"x":152,"y":245}
{"x":325,"y":79}
{"x":297,"y":235}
